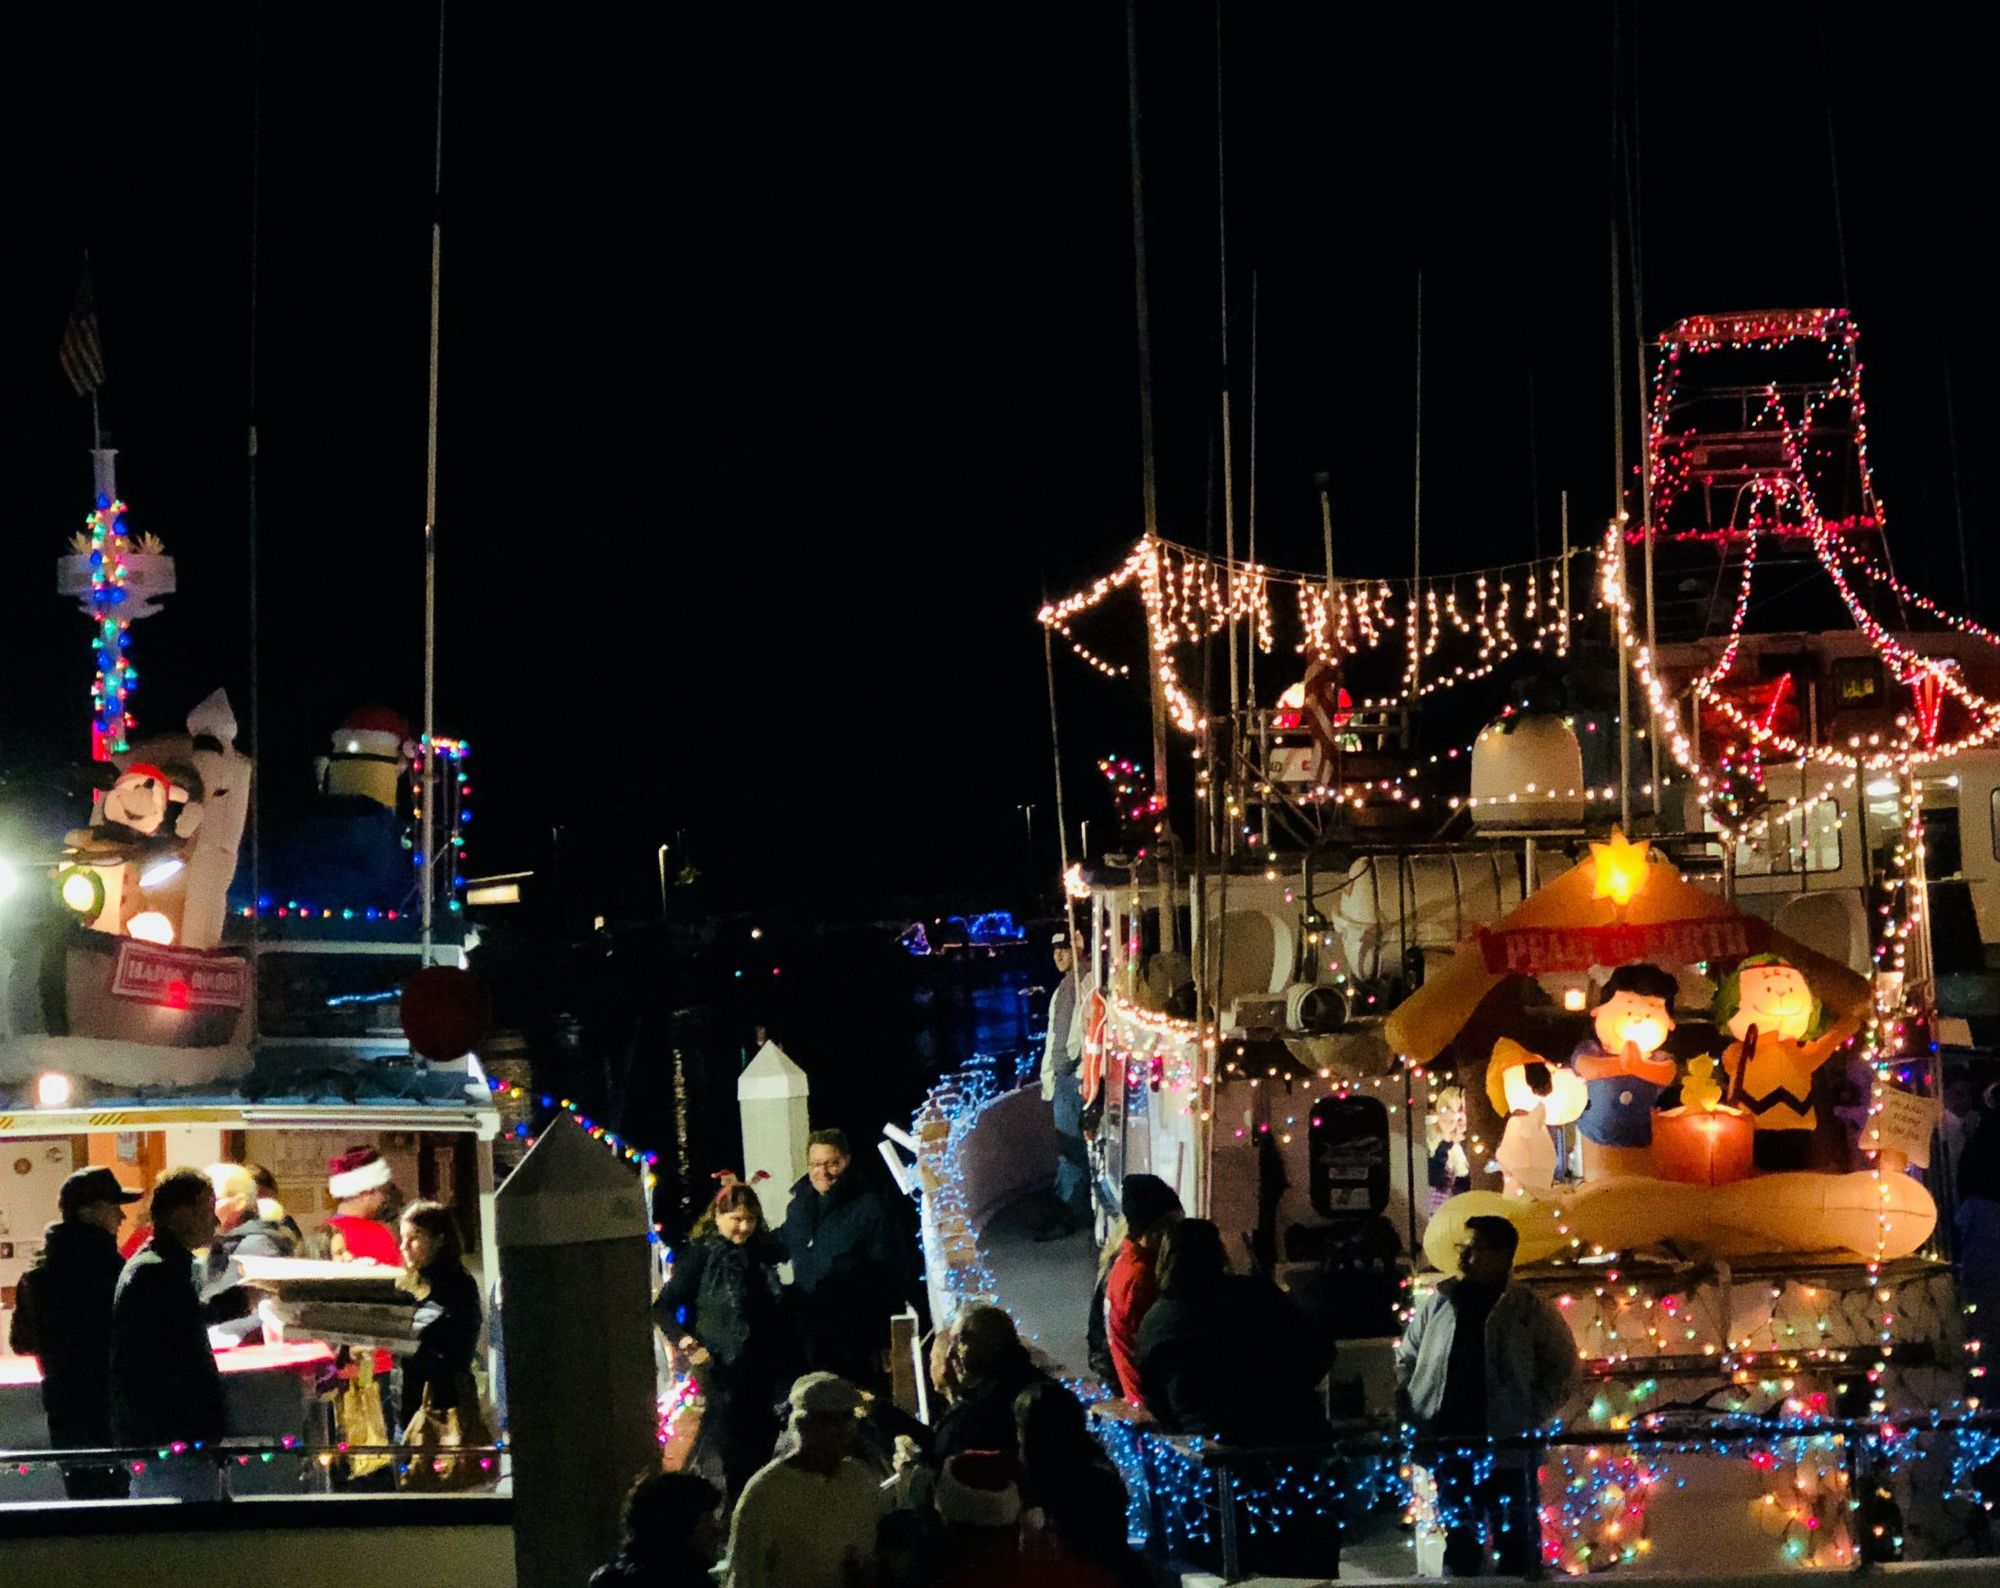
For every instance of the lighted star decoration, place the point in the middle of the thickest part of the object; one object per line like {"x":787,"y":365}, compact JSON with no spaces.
{"x":1621,"y":868}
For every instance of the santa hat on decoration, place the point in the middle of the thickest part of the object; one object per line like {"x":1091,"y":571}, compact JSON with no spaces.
{"x":356,"y":1170}
{"x":979,"y":1488}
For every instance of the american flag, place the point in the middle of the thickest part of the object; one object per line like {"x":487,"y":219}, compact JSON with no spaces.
{"x":82,"y":356}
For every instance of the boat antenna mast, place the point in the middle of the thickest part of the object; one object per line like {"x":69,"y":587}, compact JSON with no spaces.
{"x":427,"y":835}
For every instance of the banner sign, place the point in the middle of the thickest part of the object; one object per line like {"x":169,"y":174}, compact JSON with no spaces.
{"x":180,"y":978}
{"x":1537,"y":950}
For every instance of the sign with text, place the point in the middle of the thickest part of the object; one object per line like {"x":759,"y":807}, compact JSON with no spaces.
{"x":1904,"y":1122}
{"x":1537,"y":950}
{"x":180,"y":978}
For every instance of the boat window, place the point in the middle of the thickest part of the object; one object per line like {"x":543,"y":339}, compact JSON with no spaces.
{"x":1943,"y":849}
{"x":304,"y":994}
{"x":1804,"y":841}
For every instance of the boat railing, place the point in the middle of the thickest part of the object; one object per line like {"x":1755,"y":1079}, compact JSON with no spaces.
{"x":1226,"y":1488}
{"x":267,"y":1469}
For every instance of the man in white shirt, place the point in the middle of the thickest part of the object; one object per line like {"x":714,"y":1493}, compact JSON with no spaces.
{"x":1062,"y":1089}
{"x":808,"y":1519}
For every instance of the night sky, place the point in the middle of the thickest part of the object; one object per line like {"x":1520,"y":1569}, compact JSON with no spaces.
{"x":787,"y":353}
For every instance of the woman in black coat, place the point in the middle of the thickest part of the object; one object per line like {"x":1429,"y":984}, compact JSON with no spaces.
{"x":723,"y":1308}
{"x":1228,"y":1355}
{"x":448,"y":1313}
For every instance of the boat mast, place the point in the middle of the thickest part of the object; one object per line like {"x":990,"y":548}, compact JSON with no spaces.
{"x":427,"y":837}
{"x":1235,"y":738}
{"x":1416,"y":516}
{"x":1148,"y":483}
{"x":1633,"y":236}
{"x":1618,"y":459}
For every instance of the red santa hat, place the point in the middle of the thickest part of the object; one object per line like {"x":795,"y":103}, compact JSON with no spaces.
{"x":980,"y":1488}
{"x":356,"y":1170}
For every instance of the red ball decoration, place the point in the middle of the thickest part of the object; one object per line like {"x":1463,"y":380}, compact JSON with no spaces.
{"x":446,"y":1013}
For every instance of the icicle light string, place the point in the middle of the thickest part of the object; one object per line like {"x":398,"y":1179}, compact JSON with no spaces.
{"x":1480,"y":617}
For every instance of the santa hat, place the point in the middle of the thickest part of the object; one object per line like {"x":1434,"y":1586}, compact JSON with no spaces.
{"x":978,"y":1488}
{"x":356,"y":1170}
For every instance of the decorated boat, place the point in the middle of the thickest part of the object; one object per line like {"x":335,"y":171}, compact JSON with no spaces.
{"x":1362,"y":982}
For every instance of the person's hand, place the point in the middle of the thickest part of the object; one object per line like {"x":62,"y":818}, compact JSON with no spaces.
{"x":694,"y":1351}
{"x":1122,"y":1411}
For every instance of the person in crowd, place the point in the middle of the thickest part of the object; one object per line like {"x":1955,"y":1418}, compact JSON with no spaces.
{"x":1191,"y":1343}
{"x":247,"y":1225}
{"x":267,"y":1191}
{"x":1149,"y":1206}
{"x":848,"y":1263}
{"x":984,"y":1371}
{"x":62,"y":1318}
{"x":165,"y":1388}
{"x":672,"y":1527}
{"x":1073,"y":1500}
{"x":723,"y":1308}
{"x":1096,"y":1333}
{"x":448,"y":1314}
{"x":808,"y":1519}
{"x":1062,"y":1090}
{"x":1484,"y":1357}
{"x":365,"y":1214}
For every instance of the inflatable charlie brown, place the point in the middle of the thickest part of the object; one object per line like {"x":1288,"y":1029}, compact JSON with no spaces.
{"x":1771,"y":1012}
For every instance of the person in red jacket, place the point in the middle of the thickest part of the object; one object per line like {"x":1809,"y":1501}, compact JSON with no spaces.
{"x":1149,"y":1206}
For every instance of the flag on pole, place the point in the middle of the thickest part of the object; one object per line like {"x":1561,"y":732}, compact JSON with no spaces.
{"x":81,"y":354}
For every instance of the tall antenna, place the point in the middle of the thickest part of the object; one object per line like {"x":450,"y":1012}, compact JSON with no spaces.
{"x":1618,"y":439}
{"x":1148,"y":483}
{"x":429,"y":834}
{"x":1417,"y":513}
{"x":257,"y":746}
{"x":1228,"y":444}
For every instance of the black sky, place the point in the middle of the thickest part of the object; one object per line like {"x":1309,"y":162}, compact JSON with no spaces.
{"x":787,"y":350}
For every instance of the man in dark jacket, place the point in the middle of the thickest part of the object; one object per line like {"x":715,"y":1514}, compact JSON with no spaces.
{"x":165,"y":1388}
{"x":62,"y":1317}
{"x":848,"y":1264}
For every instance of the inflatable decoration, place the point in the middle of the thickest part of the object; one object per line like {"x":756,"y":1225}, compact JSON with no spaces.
{"x":1624,"y":1071}
{"x":1704,"y":1141}
{"x":1769,"y":1008}
{"x":1852,"y":1214}
{"x":1532,"y":1095}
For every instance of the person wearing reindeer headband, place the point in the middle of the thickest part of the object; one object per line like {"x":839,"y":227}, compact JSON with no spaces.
{"x":723,"y":1309}
{"x":1769,"y":1008}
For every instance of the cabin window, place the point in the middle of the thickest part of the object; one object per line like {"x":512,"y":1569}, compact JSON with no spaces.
{"x":1802,"y":842}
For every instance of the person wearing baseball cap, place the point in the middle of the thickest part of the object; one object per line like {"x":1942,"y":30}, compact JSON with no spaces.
{"x":62,"y":1317}
{"x":808,"y":1519}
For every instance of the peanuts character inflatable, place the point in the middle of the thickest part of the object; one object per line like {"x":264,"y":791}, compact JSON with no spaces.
{"x":1623,"y":1070}
{"x":1767,"y":1006}
{"x":1532,"y":1095}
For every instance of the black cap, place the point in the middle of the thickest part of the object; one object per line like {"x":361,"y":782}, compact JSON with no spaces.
{"x":93,"y":1185}
{"x":1145,"y":1200}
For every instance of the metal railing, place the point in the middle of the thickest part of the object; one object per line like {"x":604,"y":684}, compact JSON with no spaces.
{"x":243,"y":1468}
{"x":1376,"y":1459}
